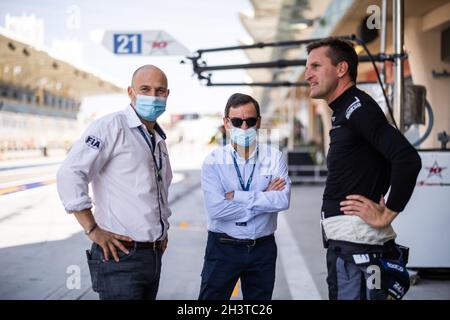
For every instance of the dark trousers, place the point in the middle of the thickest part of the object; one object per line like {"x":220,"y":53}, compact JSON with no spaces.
{"x":346,"y":279}
{"x":225,"y":263}
{"x":134,"y":277}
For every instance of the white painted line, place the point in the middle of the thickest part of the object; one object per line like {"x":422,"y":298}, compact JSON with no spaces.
{"x":299,"y":279}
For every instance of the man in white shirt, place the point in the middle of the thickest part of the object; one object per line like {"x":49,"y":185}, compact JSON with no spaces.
{"x":245,"y":184}
{"x":124,"y":157}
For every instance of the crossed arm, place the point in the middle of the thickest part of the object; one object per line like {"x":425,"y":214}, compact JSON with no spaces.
{"x":238,"y":205}
{"x":277,"y":184}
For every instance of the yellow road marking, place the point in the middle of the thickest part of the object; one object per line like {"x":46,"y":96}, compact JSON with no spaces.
{"x":10,"y":189}
{"x":236,"y":288}
{"x":47,"y":182}
{"x":183,"y":225}
{"x":26,"y":186}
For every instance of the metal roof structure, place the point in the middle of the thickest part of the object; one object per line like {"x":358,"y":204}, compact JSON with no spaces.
{"x":26,"y":66}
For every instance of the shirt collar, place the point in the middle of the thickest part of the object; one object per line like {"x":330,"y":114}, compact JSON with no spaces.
{"x":132,"y":117}
{"x":338,"y":102}
{"x":134,"y":121}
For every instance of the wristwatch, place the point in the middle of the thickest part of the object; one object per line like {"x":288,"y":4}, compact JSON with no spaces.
{"x":88,"y":232}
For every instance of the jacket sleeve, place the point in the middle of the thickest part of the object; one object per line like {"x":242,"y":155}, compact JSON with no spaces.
{"x":370,"y":122}
{"x":84,"y":161}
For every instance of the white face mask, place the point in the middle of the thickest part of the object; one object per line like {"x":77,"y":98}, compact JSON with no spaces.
{"x":243,"y":138}
{"x":150,"y":107}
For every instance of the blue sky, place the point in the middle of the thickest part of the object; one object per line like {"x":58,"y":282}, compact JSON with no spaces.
{"x":197,"y":24}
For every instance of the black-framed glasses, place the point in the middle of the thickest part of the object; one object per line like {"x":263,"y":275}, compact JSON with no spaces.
{"x":237,"y":122}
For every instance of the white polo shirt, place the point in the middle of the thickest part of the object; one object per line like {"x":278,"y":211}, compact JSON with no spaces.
{"x":114,"y":157}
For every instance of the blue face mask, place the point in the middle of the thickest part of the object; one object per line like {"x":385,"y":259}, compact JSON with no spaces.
{"x":150,"y":107}
{"x":243,"y":138}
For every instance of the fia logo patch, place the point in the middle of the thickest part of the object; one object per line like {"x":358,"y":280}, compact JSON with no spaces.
{"x":93,"y":142}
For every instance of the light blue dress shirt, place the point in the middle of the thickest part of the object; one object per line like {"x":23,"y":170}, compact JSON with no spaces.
{"x":251,"y":214}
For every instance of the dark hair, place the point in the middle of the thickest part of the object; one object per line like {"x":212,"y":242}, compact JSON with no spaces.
{"x":338,"y":51}
{"x":238,"y":99}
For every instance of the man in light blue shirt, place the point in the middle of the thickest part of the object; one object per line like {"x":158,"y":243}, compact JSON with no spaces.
{"x":245,"y":184}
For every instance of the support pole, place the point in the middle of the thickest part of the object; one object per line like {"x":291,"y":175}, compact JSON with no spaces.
{"x":398,"y":63}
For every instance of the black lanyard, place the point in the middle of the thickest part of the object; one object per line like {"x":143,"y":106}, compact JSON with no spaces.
{"x":158,"y":168}
{"x":238,"y":172}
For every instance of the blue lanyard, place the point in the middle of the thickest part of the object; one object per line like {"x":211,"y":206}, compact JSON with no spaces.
{"x":158,"y":168}
{"x":238,"y":172}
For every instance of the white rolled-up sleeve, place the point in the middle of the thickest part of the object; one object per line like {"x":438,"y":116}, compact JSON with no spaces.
{"x":85,"y":159}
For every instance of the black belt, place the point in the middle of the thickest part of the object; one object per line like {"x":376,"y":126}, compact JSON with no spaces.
{"x":224,"y":238}
{"x":141,"y":245}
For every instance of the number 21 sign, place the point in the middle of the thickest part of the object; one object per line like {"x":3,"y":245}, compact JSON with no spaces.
{"x":128,"y":43}
{"x":143,"y":43}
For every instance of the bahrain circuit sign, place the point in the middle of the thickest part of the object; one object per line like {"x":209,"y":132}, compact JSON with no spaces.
{"x":143,"y":43}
